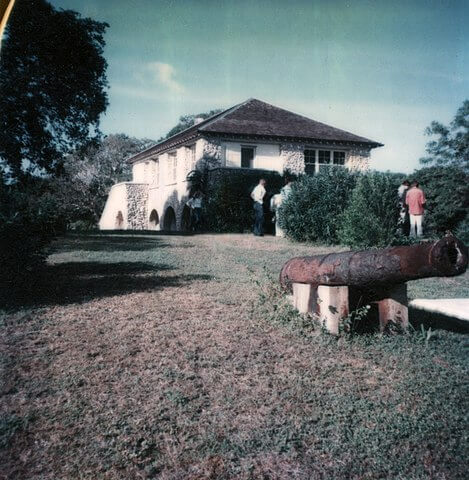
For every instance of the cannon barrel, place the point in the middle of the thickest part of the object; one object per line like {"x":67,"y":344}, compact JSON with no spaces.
{"x":369,"y":268}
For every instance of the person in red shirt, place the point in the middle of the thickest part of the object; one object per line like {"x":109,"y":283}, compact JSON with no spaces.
{"x":415,"y":200}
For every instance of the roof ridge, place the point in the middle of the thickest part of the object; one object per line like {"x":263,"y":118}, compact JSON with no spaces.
{"x":204,"y":122}
{"x":210,"y":120}
{"x":195,"y":126}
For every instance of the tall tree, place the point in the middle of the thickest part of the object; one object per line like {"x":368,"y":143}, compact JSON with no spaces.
{"x":451,"y":147}
{"x":52,"y":86}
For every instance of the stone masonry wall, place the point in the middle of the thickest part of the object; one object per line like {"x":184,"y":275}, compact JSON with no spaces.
{"x":293,"y":157}
{"x":137,"y":198}
{"x":358,"y":159}
{"x":212,"y":153}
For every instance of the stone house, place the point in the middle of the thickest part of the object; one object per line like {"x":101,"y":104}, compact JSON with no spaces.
{"x":251,"y":135}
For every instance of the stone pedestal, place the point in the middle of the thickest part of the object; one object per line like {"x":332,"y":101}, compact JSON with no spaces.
{"x":304,"y":297}
{"x":394,"y":307}
{"x":333,"y":303}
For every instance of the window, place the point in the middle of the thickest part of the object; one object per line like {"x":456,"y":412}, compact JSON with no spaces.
{"x":247,"y":157}
{"x":190,"y":159}
{"x":310,"y":162}
{"x":172,"y":167}
{"x":324,"y":157}
{"x":157,"y":171}
{"x":318,"y":159}
{"x":339,"y":158}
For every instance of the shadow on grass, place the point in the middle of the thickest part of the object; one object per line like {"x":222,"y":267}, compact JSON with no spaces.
{"x":108,"y":243}
{"x":435,"y":321}
{"x":76,"y":282}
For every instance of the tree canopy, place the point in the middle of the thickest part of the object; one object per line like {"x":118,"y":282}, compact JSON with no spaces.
{"x":186,"y":121}
{"x":52,"y":87}
{"x":451,"y":147}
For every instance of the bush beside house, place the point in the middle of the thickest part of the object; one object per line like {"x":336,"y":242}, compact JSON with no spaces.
{"x":312,"y":211}
{"x":370,"y":219}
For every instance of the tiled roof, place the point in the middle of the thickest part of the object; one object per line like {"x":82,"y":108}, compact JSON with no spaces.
{"x":255,"y":118}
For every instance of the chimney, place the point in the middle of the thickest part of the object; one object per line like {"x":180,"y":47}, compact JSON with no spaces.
{"x":198,"y":120}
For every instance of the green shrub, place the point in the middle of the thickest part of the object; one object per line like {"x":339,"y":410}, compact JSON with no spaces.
{"x":28,"y":222}
{"x":228,"y":207}
{"x":311,"y":212}
{"x":447,"y":193}
{"x":371,"y":217}
{"x":462,"y":232}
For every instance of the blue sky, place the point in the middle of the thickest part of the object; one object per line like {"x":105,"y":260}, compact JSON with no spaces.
{"x":380,"y":69}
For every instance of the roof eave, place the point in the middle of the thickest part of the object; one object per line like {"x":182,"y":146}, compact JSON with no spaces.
{"x":364,"y":142}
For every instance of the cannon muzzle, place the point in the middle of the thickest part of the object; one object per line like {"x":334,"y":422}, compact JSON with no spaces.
{"x":369,"y":268}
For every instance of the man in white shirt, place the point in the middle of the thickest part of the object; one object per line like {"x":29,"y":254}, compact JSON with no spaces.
{"x":258,"y":196}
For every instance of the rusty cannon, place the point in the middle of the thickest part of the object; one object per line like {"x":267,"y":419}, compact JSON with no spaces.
{"x":333,"y":285}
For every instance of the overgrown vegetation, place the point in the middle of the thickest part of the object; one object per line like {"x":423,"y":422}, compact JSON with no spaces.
{"x":312,"y":211}
{"x":29,"y":219}
{"x":361,"y":210}
{"x":447,"y":193}
{"x":371,"y":217}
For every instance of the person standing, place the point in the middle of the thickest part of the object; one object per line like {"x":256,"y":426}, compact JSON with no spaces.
{"x":415,"y":200}
{"x":286,"y":189}
{"x":195,"y":204}
{"x":403,"y":222}
{"x":258,"y":196}
{"x":277,"y":201}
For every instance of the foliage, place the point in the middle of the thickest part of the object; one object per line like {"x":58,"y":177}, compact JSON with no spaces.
{"x":451,"y":147}
{"x":89,"y":175}
{"x":29,"y":219}
{"x":462,"y":232}
{"x":447,"y":193}
{"x":53,"y":80}
{"x":311,"y":212}
{"x":228,"y":207}
{"x":370,"y":219}
{"x":187,"y":121}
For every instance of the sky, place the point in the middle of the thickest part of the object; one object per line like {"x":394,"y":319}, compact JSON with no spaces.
{"x":380,"y":69}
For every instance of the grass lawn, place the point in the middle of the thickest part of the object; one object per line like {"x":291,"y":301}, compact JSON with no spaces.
{"x":150,"y":356}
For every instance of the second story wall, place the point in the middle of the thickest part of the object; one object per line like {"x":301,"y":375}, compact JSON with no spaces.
{"x":168,"y":168}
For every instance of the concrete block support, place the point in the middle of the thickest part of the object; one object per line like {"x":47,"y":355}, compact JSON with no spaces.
{"x":333,"y":305}
{"x":304,"y":297}
{"x":394,"y":307}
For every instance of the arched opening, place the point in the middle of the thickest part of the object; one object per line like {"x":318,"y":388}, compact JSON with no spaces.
{"x":186,"y":219}
{"x":154,"y":220}
{"x":119,"y":220}
{"x":169,"y":222}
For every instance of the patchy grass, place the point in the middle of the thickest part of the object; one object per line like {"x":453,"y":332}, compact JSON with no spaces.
{"x":139,"y":356}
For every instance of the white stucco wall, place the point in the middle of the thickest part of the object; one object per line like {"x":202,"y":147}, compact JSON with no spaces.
{"x":267,"y":155}
{"x":116,"y":201}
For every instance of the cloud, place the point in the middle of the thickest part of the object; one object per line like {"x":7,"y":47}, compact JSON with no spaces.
{"x":164,"y":73}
